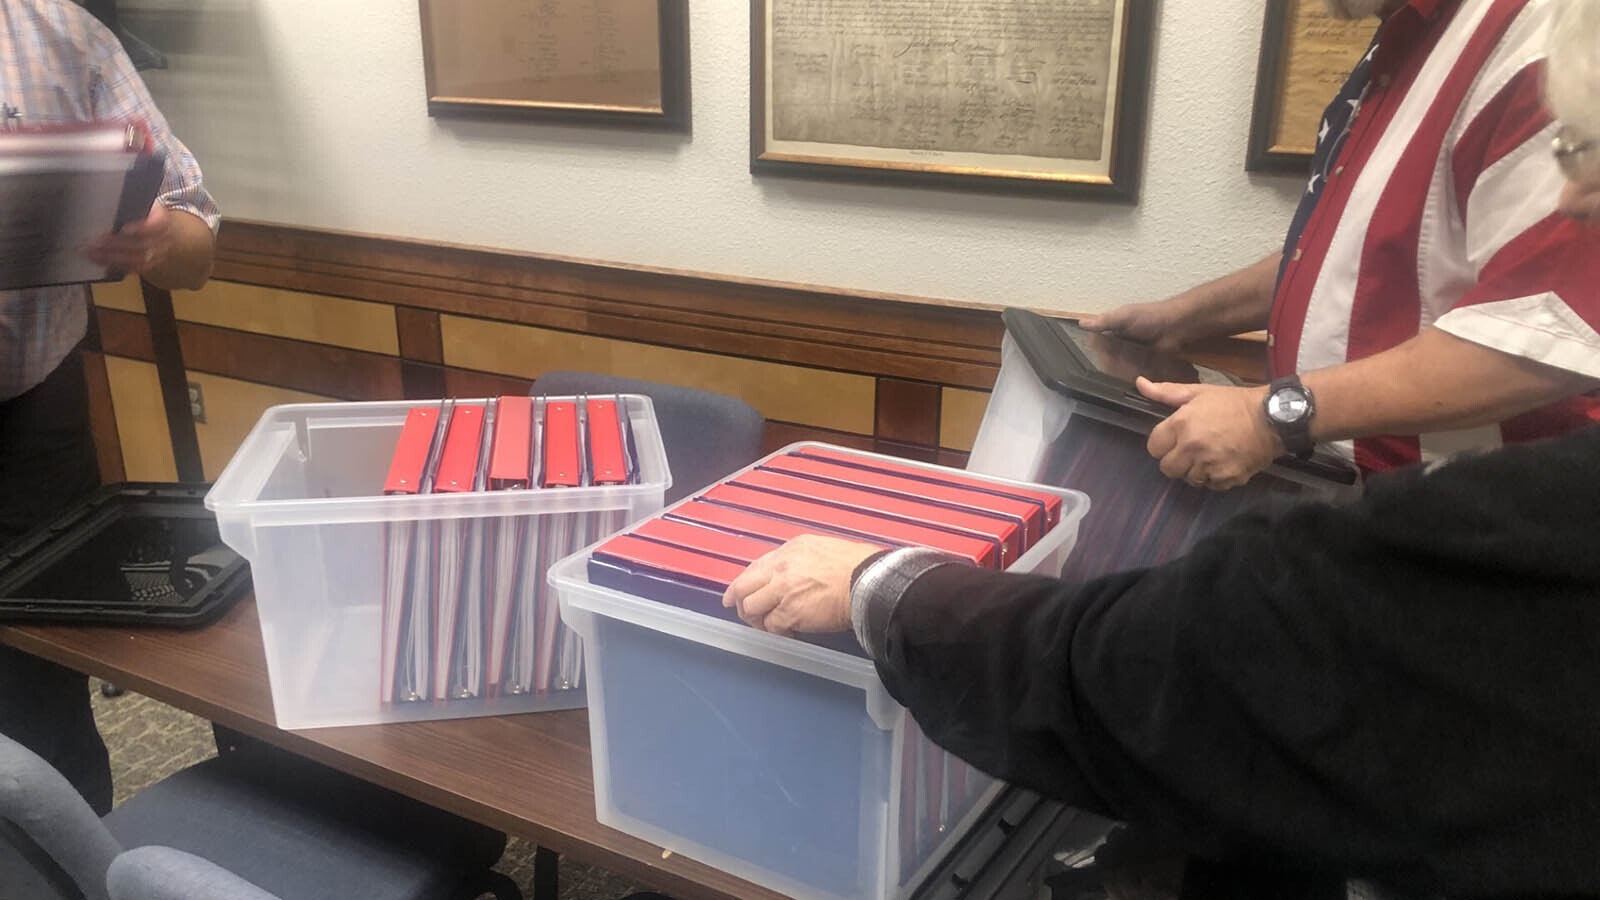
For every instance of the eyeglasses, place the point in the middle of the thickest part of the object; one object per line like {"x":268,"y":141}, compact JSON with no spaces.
{"x":1579,"y":157}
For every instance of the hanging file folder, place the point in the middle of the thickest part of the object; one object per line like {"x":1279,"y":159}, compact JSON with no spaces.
{"x":563,"y":467}
{"x":464,"y":670}
{"x":466,"y":611}
{"x":511,"y":458}
{"x":608,"y":458}
{"x":457,"y":474}
{"x":416,"y":604}
{"x":510,"y":469}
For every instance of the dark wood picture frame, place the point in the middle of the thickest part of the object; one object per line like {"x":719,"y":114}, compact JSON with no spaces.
{"x":1119,"y":183}
{"x":672,"y":114}
{"x":1264,"y":154}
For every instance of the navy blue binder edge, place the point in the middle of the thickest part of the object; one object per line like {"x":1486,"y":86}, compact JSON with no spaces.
{"x":701,"y":597}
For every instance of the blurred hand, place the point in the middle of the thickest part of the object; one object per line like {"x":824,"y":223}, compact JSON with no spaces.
{"x":138,"y":247}
{"x":803,"y":586}
{"x":1217,"y":438}
{"x":1156,"y":324}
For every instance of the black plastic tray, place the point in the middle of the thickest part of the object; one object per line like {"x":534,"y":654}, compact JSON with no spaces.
{"x":130,"y":554}
{"x":1055,"y":350}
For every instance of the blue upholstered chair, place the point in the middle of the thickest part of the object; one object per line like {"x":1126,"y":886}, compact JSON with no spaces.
{"x":230,"y":831}
{"x":707,"y":435}
{"x":162,"y":873}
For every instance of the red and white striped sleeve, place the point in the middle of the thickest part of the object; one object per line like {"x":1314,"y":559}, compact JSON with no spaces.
{"x":1537,"y":290}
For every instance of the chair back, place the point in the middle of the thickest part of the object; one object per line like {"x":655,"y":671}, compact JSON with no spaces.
{"x":52,"y":845}
{"x":706,"y":435}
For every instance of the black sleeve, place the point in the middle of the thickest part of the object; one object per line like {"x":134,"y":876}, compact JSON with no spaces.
{"x":1409,"y":678}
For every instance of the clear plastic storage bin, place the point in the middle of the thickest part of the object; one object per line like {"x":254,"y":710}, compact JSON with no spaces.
{"x":302,"y":500}
{"x":1141,"y":517}
{"x":779,"y":761}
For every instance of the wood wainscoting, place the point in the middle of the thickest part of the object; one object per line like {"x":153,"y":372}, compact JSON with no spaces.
{"x":296,"y":314}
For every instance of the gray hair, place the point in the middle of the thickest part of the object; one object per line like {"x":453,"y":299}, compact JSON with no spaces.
{"x":1572,"y":80}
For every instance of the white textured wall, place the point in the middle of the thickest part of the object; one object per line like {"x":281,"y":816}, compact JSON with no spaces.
{"x":312,"y":112}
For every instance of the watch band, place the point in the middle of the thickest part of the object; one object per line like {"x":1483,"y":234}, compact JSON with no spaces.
{"x":1296,"y":434}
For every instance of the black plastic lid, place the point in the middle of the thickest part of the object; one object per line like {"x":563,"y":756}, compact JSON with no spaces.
{"x":130,"y":554}
{"x":1100,"y":370}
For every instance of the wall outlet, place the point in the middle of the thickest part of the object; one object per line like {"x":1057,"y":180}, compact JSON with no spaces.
{"x":197,"y":403}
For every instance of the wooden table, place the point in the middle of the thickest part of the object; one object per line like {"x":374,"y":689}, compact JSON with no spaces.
{"x":527,"y":775}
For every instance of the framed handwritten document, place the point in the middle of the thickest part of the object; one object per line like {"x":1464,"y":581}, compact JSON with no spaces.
{"x":614,"y":61}
{"x":1306,"y":55}
{"x":1011,"y":95}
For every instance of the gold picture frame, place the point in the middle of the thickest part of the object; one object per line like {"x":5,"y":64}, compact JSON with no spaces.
{"x":623,"y":62}
{"x":1016,"y":97}
{"x":1306,"y":55}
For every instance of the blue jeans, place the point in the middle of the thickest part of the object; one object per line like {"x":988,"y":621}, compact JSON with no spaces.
{"x":48,"y":462}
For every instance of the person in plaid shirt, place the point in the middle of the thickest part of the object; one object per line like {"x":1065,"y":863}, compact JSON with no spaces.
{"x":59,"y":65}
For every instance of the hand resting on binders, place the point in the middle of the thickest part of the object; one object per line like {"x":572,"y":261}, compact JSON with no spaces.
{"x":802,"y":589}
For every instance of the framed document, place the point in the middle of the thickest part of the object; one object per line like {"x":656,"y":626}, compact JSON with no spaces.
{"x":1306,"y":55}
{"x":1011,"y":95}
{"x":613,"y":61}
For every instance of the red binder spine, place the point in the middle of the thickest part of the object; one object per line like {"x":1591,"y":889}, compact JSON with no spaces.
{"x":562,"y":468}
{"x":1028,"y":516}
{"x":608,"y":461}
{"x":671,"y":560}
{"x":458,"y":466}
{"x":1051,"y":502}
{"x":1008,"y":534}
{"x":737,"y":521}
{"x":510,"y":459}
{"x":411,"y":452}
{"x":735,"y":547}
{"x":863,"y":526}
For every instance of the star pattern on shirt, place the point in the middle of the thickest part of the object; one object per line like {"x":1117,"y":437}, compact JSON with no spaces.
{"x":1337,"y":123}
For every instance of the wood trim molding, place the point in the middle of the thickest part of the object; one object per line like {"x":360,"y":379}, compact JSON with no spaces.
{"x":125,"y":334}
{"x":312,"y":368}
{"x":420,"y":335}
{"x":885,"y":335}
{"x":912,"y":346}
{"x":264,"y":359}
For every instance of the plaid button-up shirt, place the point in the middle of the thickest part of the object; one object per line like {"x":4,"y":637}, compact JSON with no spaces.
{"x":58,"y":64}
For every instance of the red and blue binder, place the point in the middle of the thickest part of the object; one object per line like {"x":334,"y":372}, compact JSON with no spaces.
{"x":689,"y":555}
{"x":465,"y":608}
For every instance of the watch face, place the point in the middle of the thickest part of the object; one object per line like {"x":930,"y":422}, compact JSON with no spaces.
{"x":1288,"y":405}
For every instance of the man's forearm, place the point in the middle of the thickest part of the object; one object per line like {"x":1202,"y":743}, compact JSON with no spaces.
{"x":187,"y":264}
{"x":1433,"y":382}
{"x":1235,"y":303}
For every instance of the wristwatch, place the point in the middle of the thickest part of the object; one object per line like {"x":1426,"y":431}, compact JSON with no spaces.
{"x":1289,"y":407}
